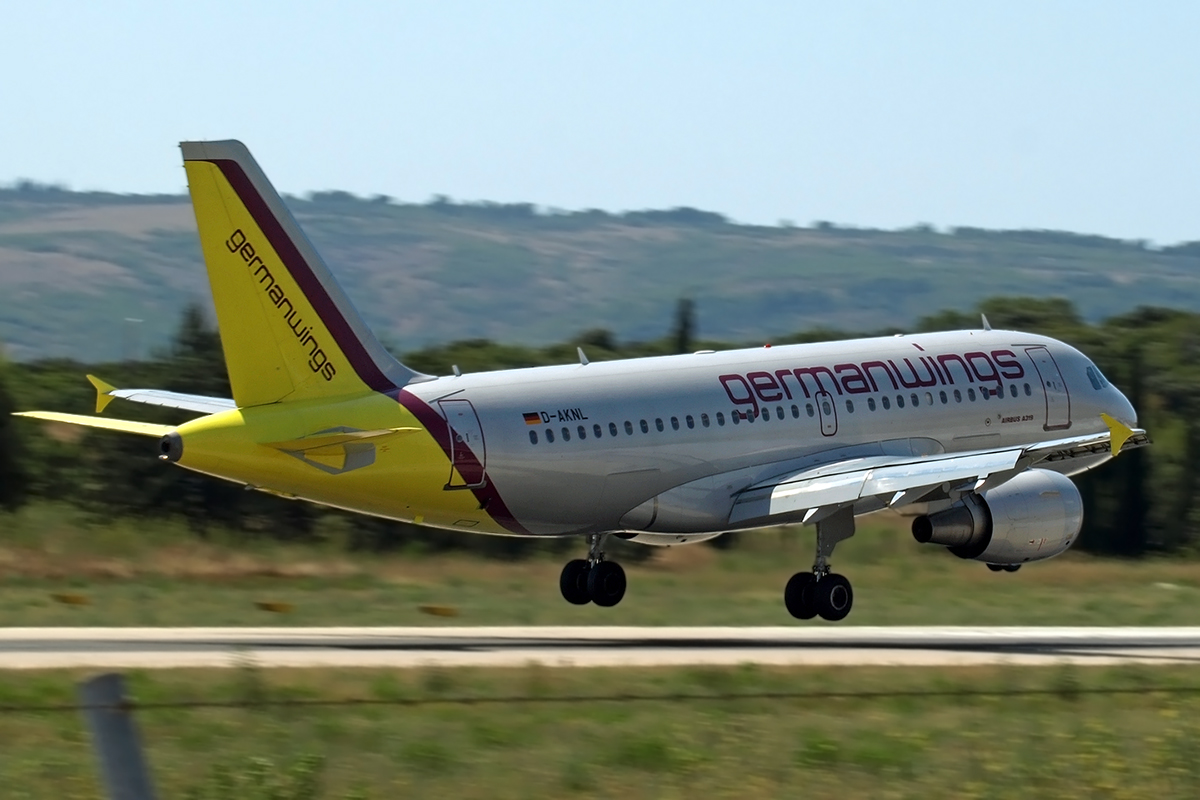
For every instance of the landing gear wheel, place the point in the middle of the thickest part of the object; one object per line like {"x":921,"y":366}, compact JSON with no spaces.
{"x":1011,"y":567}
{"x":834,"y":597}
{"x":573,"y":583}
{"x":799,"y":596}
{"x":996,"y":567}
{"x":606,"y":583}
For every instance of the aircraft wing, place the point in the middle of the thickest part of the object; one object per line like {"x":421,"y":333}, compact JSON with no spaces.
{"x":898,"y":481}
{"x":159,"y":397}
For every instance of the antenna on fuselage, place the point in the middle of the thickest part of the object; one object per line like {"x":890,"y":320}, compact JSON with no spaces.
{"x":987,"y":326}
{"x":582,"y":358}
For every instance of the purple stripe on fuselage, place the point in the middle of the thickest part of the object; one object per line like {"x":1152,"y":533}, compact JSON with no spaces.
{"x":360,"y":361}
{"x":347,"y":340}
{"x":487,"y":495}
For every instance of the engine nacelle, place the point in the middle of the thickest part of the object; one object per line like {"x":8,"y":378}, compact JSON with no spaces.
{"x":666,"y":539}
{"x":1035,"y":515}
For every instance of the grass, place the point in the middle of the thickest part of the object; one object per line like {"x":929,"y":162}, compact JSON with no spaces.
{"x":1066,"y":743}
{"x":151,"y":573}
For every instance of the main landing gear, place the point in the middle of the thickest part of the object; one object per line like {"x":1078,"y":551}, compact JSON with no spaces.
{"x":1004,"y":567}
{"x":594,"y":580}
{"x":822,"y":592}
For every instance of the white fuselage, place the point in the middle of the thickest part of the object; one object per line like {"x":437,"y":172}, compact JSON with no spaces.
{"x":580,"y":447}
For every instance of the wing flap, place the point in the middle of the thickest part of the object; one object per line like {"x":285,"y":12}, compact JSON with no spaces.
{"x":911,"y":477}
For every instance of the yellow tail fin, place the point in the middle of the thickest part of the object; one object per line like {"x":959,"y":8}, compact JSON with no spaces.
{"x":288,"y":330}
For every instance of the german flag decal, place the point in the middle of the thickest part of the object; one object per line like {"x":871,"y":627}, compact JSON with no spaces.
{"x":533,"y":418}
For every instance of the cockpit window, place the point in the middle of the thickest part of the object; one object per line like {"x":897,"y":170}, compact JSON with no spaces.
{"x":1098,"y":381}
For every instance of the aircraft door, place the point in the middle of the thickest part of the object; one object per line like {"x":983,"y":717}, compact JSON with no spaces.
{"x":468,"y":455}
{"x":827,"y":411}
{"x":1058,"y":399}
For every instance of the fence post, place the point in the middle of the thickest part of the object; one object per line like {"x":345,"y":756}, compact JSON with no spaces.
{"x":115,"y":738}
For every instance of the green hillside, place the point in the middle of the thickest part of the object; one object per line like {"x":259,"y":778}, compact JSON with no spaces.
{"x":74,"y":266}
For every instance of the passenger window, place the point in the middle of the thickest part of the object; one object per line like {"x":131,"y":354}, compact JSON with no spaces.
{"x":675,"y":423}
{"x":628,"y":428}
{"x":942,"y":397}
{"x":811,"y":411}
{"x":533,"y":437}
{"x":929,"y":398}
{"x":887,"y":404}
{"x":691,"y":423}
{"x":795,"y":412}
{"x":826,"y":408}
{"x":778,"y":412}
{"x":957,"y":396}
{"x":1012,"y":390}
{"x":597,"y":431}
{"x":985,"y":393}
{"x":1028,"y":391}
{"x":915,"y":401}
{"x":971,"y":395}
{"x":582,"y":432}
{"x":750,"y":415}
{"x":899,"y":401}
{"x":850,"y":406}
{"x":704,"y":420}
{"x":720,"y":419}
{"x":549,"y":435}
{"x":566,"y":432}
{"x":658,"y":423}
{"x":871,"y":403}
{"x":612,"y":429}
{"x":645,"y":427}
{"x":735,"y":417}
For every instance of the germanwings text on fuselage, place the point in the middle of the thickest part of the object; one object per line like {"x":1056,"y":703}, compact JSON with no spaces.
{"x":857,"y":378}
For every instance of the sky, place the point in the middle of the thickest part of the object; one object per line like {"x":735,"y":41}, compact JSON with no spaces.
{"x":1079,"y":116}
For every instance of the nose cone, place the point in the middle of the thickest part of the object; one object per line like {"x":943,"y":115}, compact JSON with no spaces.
{"x":1123,"y":410}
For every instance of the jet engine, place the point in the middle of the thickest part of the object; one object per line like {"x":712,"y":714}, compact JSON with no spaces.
{"x":1035,"y":515}
{"x":666,"y":539}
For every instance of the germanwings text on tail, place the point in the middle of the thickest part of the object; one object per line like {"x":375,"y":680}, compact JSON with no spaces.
{"x":973,"y":433}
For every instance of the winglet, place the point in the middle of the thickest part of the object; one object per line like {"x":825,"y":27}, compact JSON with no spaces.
{"x":103,"y":393}
{"x":1119,"y":433}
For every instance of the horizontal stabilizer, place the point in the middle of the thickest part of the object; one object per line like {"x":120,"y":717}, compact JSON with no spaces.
{"x":202,"y":404}
{"x":122,"y":425}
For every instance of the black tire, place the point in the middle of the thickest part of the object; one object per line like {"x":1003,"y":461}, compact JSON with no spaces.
{"x":835,"y":598}
{"x":1011,"y":567}
{"x":798,"y":596}
{"x":606,"y":584}
{"x":573,"y":583}
{"x":996,"y":567}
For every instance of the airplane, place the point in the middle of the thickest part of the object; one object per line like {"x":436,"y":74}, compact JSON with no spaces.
{"x":974,"y":433}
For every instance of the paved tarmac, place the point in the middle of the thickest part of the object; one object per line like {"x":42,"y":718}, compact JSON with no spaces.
{"x":131,"y":648}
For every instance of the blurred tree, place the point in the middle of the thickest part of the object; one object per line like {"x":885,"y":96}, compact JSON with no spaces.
{"x":13,"y":479}
{"x":684,"y":331}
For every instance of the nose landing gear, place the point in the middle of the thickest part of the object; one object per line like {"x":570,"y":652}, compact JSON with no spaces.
{"x":594,"y":580}
{"x":822,"y":592}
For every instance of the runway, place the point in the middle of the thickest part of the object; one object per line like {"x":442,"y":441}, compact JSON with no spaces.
{"x":132,"y":648}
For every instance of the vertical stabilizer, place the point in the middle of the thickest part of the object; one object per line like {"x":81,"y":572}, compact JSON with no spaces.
{"x":288,"y":330}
